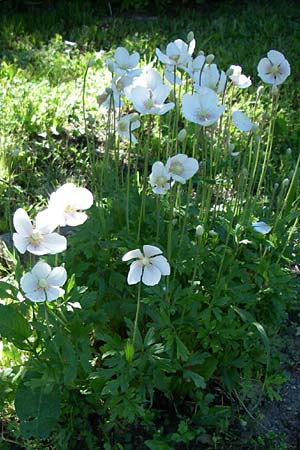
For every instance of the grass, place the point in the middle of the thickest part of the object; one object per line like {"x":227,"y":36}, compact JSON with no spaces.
{"x":43,"y":141}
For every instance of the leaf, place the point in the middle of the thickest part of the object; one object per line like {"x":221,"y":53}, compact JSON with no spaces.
{"x":197,"y":379}
{"x":37,"y":410}
{"x":265,"y":339}
{"x":157,"y":445}
{"x":13,"y":326}
{"x":181,"y":349}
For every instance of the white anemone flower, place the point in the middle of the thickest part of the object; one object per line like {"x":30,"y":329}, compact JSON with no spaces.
{"x":67,"y":204}
{"x":148,"y":94}
{"x":148,"y":267}
{"x":43,"y":283}
{"x":211,"y":78}
{"x":274,"y":69}
{"x":126,"y":124}
{"x":195,"y":66}
{"x":123,"y":61}
{"x":160,"y":178}
{"x":242,"y":122}
{"x":178,"y":53}
{"x":202,"y":107}
{"x":261,"y":227}
{"x":181,"y":168}
{"x":238,"y":79}
{"x":38,"y":239}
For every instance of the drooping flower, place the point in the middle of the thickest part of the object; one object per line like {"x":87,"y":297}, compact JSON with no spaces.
{"x":202,"y":107}
{"x":43,"y":283}
{"x":274,"y":69}
{"x":110,"y":98}
{"x":38,"y":239}
{"x":148,"y":94}
{"x":148,"y":267}
{"x":67,"y":202}
{"x":160,"y":178}
{"x":123,"y":61}
{"x":238,"y":79}
{"x":181,"y":168}
{"x":126,"y":124}
{"x":261,"y":227}
{"x":241,"y":121}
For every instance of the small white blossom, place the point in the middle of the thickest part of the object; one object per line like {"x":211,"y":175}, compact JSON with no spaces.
{"x":242,"y":122}
{"x":125,"y":125}
{"x":274,"y":69}
{"x":148,"y":267}
{"x":238,"y":79}
{"x":123,"y":61}
{"x":43,"y":283}
{"x":181,"y":168}
{"x":160,"y":178}
{"x":261,"y":227}
{"x":202,"y":107}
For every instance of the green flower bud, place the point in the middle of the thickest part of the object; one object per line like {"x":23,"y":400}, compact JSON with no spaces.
{"x":210,"y":58}
{"x":199,"y":230}
{"x":181,"y":135}
{"x":190,"y":36}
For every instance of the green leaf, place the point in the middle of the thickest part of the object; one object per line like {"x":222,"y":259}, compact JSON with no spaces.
{"x":182,"y":350}
{"x":197,"y":379}
{"x":37,"y":410}
{"x":13,"y":326}
{"x":158,"y":445}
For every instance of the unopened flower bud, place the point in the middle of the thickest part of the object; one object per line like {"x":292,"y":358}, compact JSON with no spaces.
{"x":285,"y":183}
{"x":181,"y":135}
{"x":210,"y":58}
{"x":110,"y":67}
{"x":213,"y":233}
{"x":276,"y":186}
{"x":91,"y":62}
{"x":101,"y":98}
{"x":199,"y":230}
{"x":201,"y":53}
{"x":289,"y":152}
{"x":190,"y":36}
{"x":174,"y":222}
{"x":229,"y":72}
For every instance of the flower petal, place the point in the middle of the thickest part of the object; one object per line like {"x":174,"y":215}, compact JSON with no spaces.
{"x":41,"y":270}
{"x":22,"y":223}
{"x":132,"y":254}
{"x":20,"y":242}
{"x":162,"y":264}
{"x":151,"y":275}
{"x":261,"y":227}
{"x":57,"y":277}
{"x":151,"y":250}
{"x":29,"y":282}
{"x":53,"y":292}
{"x":135,"y":272}
{"x":55,"y":243}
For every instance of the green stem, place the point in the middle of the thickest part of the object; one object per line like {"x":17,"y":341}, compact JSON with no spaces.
{"x":137,"y":314}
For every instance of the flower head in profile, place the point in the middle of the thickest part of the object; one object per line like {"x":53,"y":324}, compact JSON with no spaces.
{"x":148,"y":266}
{"x":43,"y":283}
{"x":261,"y":227}
{"x":242,"y":122}
{"x":126,"y":124}
{"x":238,"y":79}
{"x":211,"y":78}
{"x":181,"y":168}
{"x":123,"y":61}
{"x":67,"y":204}
{"x":202,"y":107}
{"x":160,"y":178}
{"x":110,"y":98}
{"x":274,"y":69}
{"x":39,"y":238}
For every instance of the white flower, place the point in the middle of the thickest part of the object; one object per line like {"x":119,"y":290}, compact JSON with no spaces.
{"x":160,"y":178}
{"x":148,"y":94}
{"x":67,"y":202}
{"x":261,"y":227}
{"x":126,"y":124}
{"x":202,"y":107}
{"x":38,"y":239}
{"x":110,"y":98}
{"x":148,"y":267}
{"x":178,"y":53}
{"x":181,"y":167}
{"x":238,"y":79}
{"x":210,"y":77}
{"x":123,"y":61}
{"x":274,"y":69}
{"x":43,"y":283}
{"x":195,"y":66}
{"x":241,"y":121}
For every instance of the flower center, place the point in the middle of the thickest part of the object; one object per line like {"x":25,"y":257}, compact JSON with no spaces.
{"x":160,"y":181}
{"x":148,"y":104}
{"x":145,"y":261}
{"x":275,"y":70}
{"x":35,"y":237}
{"x":176,"y":167}
{"x":69,"y":209}
{"x":175,"y":58}
{"x":43,"y":283}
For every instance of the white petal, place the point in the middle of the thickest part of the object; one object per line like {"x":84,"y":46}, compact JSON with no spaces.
{"x":52,"y":293}
{"x":161,"y":93}
{"x":191,"y":166}
{"x":135,"y":272}
{"x":158,"y":169}
{"x":151,"y":275}
{"x":83,"y":198}
{"x":41,"y":270}
{"x":261,"y":227}
{"x":22,"y":223}
{"x":57,"y":277}
{"x":163,"y":58}
{"x":162,"y":264}
{"x":151,"y":250}
{"x":55,"y":243}
{"x":29,"y":282}
{"x":133,"y":60}
{"x":275,"y":57}
{"x":121,"y":56}
{"x":20,"y":242}
{"x":241,"y":121}
{"x":73,"y":219}
{"x":46,"y":222}
{"x":36,"y":296}
{"x":132,"y":254}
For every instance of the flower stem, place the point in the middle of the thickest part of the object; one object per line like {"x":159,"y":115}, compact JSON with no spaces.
{"x":137,"y":314}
